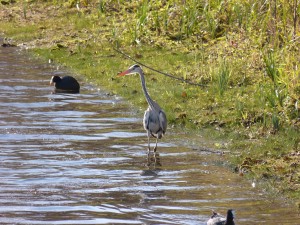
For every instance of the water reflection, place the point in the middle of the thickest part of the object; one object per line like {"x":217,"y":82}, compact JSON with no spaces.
{"x":153,"y":160}
{"x":59,"y":91}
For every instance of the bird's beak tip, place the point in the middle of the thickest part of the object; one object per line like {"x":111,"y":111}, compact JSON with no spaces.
{"x":123,"y":73}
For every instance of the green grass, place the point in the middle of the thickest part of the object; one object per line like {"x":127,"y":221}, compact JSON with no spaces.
{"x":223,"y":76}
{"x":22,"y":33}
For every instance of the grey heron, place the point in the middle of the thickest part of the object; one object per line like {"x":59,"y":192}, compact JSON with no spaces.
{"x":155,"y":120}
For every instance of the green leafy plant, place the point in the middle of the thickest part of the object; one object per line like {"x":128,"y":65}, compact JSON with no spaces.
{"x":275,"y":122}
{"x":223,"y":75}
{"x":211,"y":22}
{"x":190,"y":17}
{"x":271,"y":67}
{"x":101,"y":6}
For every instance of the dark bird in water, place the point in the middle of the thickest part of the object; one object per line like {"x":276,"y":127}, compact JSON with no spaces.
{"x":155,"y":120}
{"x":66,"y":84}
{"x":217,"y":219}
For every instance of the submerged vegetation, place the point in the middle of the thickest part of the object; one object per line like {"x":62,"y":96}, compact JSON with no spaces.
{"x":243,"y":54}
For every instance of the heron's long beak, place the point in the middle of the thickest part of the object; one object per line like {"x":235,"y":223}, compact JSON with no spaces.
{"x":124,"y":73}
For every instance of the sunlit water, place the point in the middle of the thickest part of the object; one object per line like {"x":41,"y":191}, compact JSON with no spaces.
{"x":81,"y":159}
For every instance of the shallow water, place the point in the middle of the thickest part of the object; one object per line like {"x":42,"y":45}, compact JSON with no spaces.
{"x":81,"y":159}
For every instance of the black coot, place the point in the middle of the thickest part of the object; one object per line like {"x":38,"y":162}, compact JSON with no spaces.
{"x":65,"y":84}
{"x":217,"y":219}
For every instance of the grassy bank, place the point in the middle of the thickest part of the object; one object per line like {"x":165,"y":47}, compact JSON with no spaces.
{"x":243,"y":54}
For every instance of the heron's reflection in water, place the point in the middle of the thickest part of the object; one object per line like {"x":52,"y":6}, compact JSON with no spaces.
{"x":153,"y":160}
{"x":153,"y":163}
{"x":151,"y":181}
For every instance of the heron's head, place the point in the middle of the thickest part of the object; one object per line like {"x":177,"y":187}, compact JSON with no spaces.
{"x":133,"y":69}
{"x":54,"y":80}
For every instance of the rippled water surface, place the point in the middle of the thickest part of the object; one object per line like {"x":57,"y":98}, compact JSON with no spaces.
{"x":81,"y":159}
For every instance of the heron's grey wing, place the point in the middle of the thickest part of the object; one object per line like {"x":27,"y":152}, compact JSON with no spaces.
{"x":163,"y":121}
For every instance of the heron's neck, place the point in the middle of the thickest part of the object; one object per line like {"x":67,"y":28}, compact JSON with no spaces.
{"x":149,"y":100}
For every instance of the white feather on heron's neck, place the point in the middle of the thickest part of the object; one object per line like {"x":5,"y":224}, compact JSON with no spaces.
{"x":151,"y":103}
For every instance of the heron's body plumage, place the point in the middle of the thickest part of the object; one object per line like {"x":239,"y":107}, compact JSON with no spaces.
{"x":155,"y":119}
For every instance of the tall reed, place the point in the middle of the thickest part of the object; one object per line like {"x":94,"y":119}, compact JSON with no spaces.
{"x":223,"y":78}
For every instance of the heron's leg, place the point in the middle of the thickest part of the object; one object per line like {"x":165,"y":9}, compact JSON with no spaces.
{"x":154,"y":150}
{"x":148,"y":133}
